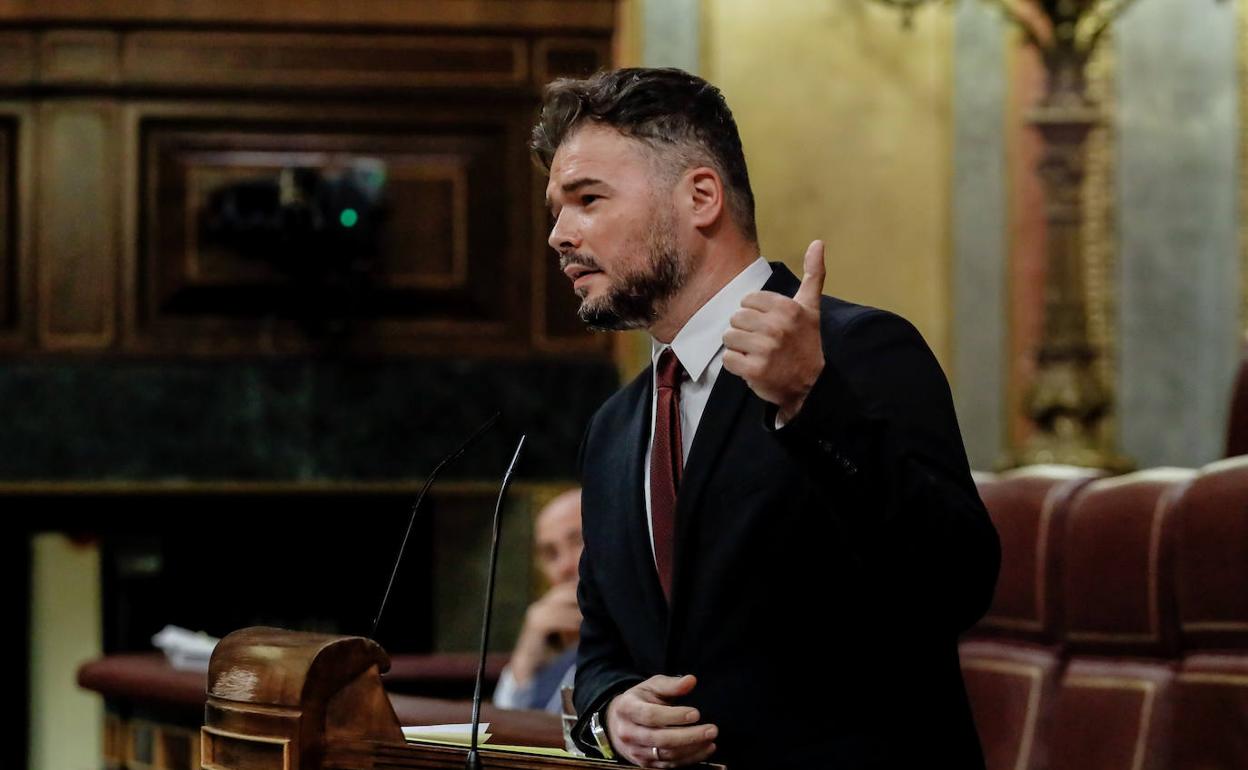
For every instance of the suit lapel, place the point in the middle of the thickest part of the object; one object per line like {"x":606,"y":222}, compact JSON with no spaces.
{"x":717,"y":422}
{"x":718,"y":419}
{"x":721,"y":415}
{"x":782,"y":280}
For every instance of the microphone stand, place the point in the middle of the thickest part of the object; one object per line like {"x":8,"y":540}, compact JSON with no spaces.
{"x":473,"y":761}
{"x":478,"y":433}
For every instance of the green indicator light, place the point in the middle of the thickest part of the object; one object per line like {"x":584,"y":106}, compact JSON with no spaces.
{"x":348,"y":217}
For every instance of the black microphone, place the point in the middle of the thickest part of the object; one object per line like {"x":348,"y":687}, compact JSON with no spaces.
{"x":474,"y":758}
{"x":416,"y":506}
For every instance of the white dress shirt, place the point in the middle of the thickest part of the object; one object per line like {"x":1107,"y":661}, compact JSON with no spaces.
{"x":510,"y":694}
{"x":699,"y":346}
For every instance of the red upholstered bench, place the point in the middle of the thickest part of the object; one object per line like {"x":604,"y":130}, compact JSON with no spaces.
{"x":1210,"y":727}
{"x":1011,"y":660}
{"x":1118,"y":627}
{"x":1118,"y":637}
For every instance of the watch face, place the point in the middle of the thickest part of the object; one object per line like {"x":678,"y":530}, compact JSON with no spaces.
{"x":600,"y":735}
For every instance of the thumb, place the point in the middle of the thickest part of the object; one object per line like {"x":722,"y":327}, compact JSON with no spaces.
{"x":669,"y":687}
{"x":812,"y":278}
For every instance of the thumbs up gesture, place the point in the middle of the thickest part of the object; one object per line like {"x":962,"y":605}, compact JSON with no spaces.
{"x":774,"y":343}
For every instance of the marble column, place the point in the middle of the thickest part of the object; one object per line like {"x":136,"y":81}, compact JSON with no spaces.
{"x":672,"y":34}
{"x":1178,"y":200}
{"x":979,"y":228}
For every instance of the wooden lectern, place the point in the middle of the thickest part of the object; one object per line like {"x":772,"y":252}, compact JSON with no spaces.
{"x":288,"y":700}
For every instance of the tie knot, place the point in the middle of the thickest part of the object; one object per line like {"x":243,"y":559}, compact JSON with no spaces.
{"x":670,"y":372}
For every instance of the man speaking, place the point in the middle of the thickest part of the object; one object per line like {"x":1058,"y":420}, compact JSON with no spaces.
{"x":782,"y":538}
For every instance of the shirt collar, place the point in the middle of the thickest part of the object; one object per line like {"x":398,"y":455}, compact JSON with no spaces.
{"x":702,"y":336}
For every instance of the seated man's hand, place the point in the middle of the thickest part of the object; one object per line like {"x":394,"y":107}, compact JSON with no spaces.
{"x":647,"y":731}
{"x":556,"y":614}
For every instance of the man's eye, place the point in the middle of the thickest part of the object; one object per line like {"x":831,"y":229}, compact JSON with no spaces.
{"x":588,"y":199}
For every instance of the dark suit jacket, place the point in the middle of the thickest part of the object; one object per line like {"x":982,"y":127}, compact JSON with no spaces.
{"x":823,"y":571}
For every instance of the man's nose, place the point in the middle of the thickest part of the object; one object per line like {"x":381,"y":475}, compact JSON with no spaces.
{"x":563,"y":236}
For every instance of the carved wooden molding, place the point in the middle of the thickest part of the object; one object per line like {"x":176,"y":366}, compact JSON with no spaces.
{"x":441,"y":93}
{"x":8,"y":224}
{"x":76,"y":232}
{"x":575,"y":15}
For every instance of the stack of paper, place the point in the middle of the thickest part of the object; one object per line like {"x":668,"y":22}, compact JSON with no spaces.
{"x":186,"y":650}
{"x":457,"y":734}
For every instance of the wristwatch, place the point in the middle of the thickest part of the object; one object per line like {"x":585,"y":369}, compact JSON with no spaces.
{"x":599,"y":730}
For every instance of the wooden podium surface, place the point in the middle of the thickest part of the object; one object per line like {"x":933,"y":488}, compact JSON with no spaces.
{"x":288,"y":700}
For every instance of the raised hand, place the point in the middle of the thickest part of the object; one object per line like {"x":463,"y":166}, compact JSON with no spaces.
{"x":648,"y":731}
{"x":556,"y":615}
{"x":774,"y":343}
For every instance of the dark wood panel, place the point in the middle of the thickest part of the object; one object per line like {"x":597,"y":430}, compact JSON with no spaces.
{"x":532,"y":15}
{"x":8,"y":224}
{"x":140,"y":116}
{"x":16,"y":210}
{"x":79,"y":57}
{"x":77,"y":226}
{"x":246,"y":242}
{"x":569,"y":57}
{"x":17,"y":57}
{"x":321,"y":61}
{"x":215,"y":194}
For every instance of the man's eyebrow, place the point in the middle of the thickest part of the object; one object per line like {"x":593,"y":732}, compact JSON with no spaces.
{"x":574,"y":185}
{"x":577,"y":184}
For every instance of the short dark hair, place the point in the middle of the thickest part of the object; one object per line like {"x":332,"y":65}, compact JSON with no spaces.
{"x":664,"y":108}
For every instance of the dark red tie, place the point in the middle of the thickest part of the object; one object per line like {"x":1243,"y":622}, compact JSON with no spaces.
{"x":666,"y":463}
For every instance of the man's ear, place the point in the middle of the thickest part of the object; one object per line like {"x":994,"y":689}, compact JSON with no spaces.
{"x":705,"y":196}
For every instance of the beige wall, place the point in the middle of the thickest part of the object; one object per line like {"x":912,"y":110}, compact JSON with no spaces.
{"x":66,"y":623}
{"x":846,"y":119}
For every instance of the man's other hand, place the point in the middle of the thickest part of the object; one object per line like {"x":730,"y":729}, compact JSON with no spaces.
{"x":556,"y":614}
{"x":774,"y":343}
{"x":648,"y":731}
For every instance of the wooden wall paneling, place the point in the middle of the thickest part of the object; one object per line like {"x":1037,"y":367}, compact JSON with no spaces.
{"x":8,"y":224}
{"x":453,"y":264}
{"x":555,"y":57}
{"x":429,"y":183}
{"x":288,"y":60}
{"x":76,"y":225}
{"x":129,"y":204}
{"x":435,"y":14}
{"x":79,"y":57}
{"x":372,"y":75}
{"x":517,"y":205}
{"x":17,"y":58}
{"x":16,"y":209}
{"x":439,"y":187}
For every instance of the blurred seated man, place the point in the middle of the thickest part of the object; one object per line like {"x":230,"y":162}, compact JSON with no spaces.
{"x":545,"y":656}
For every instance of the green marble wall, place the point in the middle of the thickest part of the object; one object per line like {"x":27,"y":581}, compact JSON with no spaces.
{"x":290,"y":420}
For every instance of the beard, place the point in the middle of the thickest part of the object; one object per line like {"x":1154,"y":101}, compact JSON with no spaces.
{"x":636,"y":299}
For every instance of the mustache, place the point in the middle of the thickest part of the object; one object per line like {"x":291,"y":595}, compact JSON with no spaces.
{"x":573,"y":258}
